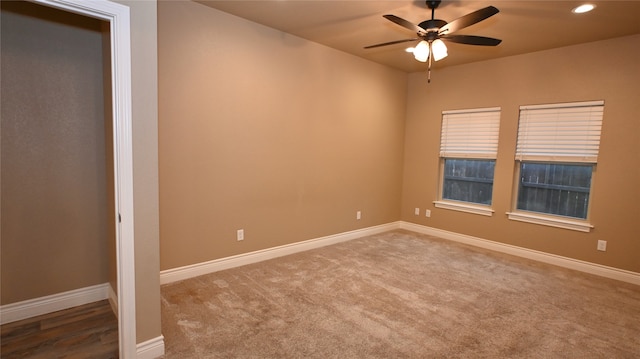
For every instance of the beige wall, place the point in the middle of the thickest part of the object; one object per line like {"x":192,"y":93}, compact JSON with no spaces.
{"x":606,"y":70}
{"x":269,"y":133}
{"x":54,"y":175}
{"x":144,"y":93}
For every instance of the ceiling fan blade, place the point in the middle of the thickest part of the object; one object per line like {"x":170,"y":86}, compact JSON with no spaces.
{"x":406,"y":24}
{"x":468,"y":20}
{"x":472,"y":40}
{"x":390,"y":43}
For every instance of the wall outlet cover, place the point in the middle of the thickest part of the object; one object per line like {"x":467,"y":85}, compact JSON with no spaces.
{"x":602,"y":245}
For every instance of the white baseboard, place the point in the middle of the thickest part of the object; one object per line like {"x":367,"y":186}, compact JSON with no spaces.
{"x":194,"y":270}
{"x":575,"y":264}
{"x":52,"y":303}
{"x":151,"y":349}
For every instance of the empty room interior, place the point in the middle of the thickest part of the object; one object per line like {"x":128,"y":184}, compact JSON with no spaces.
{"x":297,"y":192}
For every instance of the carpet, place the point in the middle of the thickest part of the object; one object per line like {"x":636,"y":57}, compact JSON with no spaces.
{"x":400,"y":294}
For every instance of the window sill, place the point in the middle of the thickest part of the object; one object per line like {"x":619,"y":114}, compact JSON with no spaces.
{"x":549,"y":221}
{"x":463,"y":207}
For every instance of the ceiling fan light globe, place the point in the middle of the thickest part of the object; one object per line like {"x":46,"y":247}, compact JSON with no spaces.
{"x":439,"y":50}
{"x":421,"y":51}
{"x":583,"y":8}
{"x":421,"y":58}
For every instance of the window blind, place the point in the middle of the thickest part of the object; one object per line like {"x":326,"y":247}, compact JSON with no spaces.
{"x":470,"y":133}
{"x":567,"y":132}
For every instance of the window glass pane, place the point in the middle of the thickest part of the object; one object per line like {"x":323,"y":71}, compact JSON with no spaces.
{"x":468,"y":180}
{"x":552,"y":188}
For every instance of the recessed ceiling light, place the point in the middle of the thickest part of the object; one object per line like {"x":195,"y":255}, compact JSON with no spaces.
{"x":583,"y":8}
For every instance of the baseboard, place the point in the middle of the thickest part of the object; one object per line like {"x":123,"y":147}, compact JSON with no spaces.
{"x":575,"y":264}
{"x":194,"y":270}
{"x":151,"y":349}
{"x":52,"y":303}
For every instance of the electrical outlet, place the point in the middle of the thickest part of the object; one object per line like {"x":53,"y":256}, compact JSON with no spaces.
{"x":602,"y":245}
{"x":417,"y":211}
{"x":240,"y":234}
{"x":427,"y":213}
{"x":358,"y":215}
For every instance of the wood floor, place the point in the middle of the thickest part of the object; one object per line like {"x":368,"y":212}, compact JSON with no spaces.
{"x":87,"y":331}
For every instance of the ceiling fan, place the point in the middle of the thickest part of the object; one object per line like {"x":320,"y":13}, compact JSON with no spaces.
{"x":433,"y":32}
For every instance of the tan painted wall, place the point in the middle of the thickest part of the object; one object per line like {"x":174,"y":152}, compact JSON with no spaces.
{"x":144,"y":93}
{"x":270,"y":133}
{"x":606,"y":70}
{"x":54,"y":188}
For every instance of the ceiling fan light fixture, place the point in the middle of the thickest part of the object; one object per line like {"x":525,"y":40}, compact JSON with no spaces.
{"x":583,"y":8}
{"x":421,"y":51}
{"x":430,"y":31}
{"x":439,"y":50}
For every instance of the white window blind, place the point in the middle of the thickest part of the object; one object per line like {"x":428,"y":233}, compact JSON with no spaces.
{"x":567,"y":132}
{"x":470,"y":133}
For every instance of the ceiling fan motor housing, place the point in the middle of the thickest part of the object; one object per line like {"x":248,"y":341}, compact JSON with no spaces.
{"x":432,"y":25}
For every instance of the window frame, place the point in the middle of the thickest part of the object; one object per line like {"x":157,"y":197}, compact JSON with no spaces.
{"x":464,"y":206}
{"x":549,"y":219}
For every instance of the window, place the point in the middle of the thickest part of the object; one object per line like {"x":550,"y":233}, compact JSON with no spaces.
{"x":468,"y":180}
{"x":558,"y":189}
{"x":557,"y":151}
{"x":468,"y":149}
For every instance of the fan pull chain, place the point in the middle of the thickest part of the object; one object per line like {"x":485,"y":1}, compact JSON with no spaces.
{"x":429,"y":69}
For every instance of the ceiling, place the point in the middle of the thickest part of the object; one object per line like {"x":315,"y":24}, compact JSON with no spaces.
{"x":523,"y":26}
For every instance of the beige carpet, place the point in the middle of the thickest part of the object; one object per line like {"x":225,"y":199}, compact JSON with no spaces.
{"x":400,"y":295}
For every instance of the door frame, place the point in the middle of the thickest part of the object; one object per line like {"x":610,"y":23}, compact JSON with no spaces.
{"x":117,"y":15}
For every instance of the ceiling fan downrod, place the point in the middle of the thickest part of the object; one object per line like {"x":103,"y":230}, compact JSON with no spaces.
{"x":433,"y":4}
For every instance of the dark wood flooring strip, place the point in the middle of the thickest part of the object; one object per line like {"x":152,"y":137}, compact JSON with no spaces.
{"x":88,"y":331}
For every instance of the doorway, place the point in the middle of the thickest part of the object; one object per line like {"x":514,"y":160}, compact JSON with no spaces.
{"x":117,"y":148}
